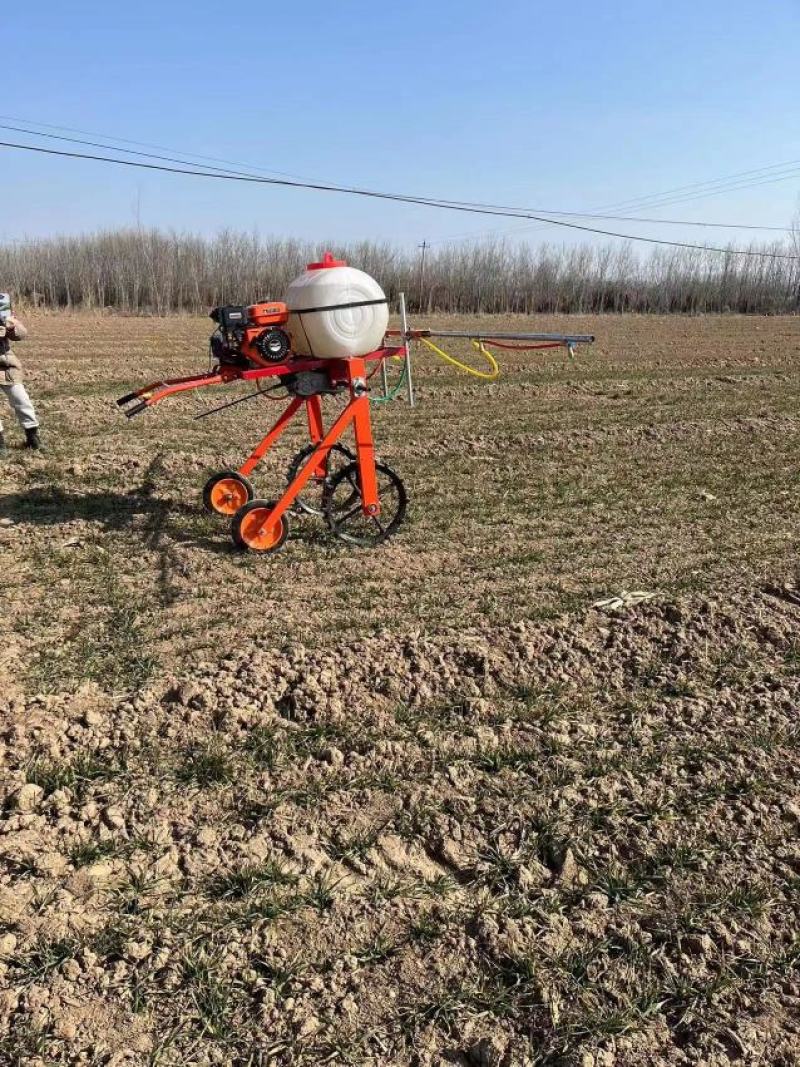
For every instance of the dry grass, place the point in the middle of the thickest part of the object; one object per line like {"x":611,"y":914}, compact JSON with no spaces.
{"x":421,"y":805}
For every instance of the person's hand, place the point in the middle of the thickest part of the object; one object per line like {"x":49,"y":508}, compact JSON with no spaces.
{"x":11,"y":322}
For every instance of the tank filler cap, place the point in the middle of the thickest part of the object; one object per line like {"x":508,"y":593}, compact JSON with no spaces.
{"x":327,"y":261}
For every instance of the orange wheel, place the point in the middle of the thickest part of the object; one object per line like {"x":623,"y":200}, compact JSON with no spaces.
{"x":225,"y":493}
{"x":254,"y":530}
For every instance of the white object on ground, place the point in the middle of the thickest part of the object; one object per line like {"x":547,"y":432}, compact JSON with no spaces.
{"x":626,"y":599}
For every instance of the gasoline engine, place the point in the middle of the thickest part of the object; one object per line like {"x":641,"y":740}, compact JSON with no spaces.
{"x":248,"y":335}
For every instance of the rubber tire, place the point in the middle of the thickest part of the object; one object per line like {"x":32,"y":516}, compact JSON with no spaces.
{"x":239,"y":538}
{"x":294,"y":467}
{"x":212,"y":481}
{"x":394,"y":524}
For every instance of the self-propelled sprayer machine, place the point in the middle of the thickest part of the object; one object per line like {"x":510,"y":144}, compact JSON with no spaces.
{"x":329,"y":337}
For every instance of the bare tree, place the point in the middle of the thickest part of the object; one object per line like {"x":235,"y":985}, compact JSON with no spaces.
{"x":151,"y":272}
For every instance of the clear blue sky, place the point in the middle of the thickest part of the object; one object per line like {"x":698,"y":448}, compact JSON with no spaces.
{"x":564,"y":106}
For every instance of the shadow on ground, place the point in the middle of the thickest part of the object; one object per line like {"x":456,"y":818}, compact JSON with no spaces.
{"x":164,"y":518}
{"x":51,"y":506}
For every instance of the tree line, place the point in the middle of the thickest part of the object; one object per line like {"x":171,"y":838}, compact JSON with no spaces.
{"x":138,"y":271}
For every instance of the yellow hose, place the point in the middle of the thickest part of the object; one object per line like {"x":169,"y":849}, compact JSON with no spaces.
{"x":488,"y":376}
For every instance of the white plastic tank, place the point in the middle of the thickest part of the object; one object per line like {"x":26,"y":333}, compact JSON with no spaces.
{"x":336,"y":311}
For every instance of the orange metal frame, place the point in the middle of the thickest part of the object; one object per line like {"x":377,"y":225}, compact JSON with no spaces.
{"x":351,"y":373}
{"x":356,"y":412}
{"x":341,"y":373}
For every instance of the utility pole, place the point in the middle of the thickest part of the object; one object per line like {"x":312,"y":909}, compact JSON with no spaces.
{"x":422,"y":247}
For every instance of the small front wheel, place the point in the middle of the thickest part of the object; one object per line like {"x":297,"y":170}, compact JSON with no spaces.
{"x":254,"y":530}
{"x":225,"y":493}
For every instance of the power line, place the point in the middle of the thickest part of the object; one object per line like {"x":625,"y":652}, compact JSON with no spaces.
{"x":500,"y":207}
{"x":446,"y":205}
{"x":694,"y":191}
{"x":685,"y":190}
{"x":691,"y":191}
{"x":700,"y":196}
{"x":673,"y":222}
{"x":617,"y":218}
{"x":791,"y":175}
{"x":114,"y":148}
{"x":141,"y":144}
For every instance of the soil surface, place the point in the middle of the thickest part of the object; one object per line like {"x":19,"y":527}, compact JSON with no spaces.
{"x":516,"y":788}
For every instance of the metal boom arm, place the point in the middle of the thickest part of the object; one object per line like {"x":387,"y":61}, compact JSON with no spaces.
{"x":479,"y":335}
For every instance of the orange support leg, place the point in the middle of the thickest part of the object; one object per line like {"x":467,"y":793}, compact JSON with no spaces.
{"x":316,"y":431}
{"x":319,"y":456}
{"x":261,"y":448}
{"x":365,"y":455}
{"x":365,"y":445}
{"x":357,"y":412}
